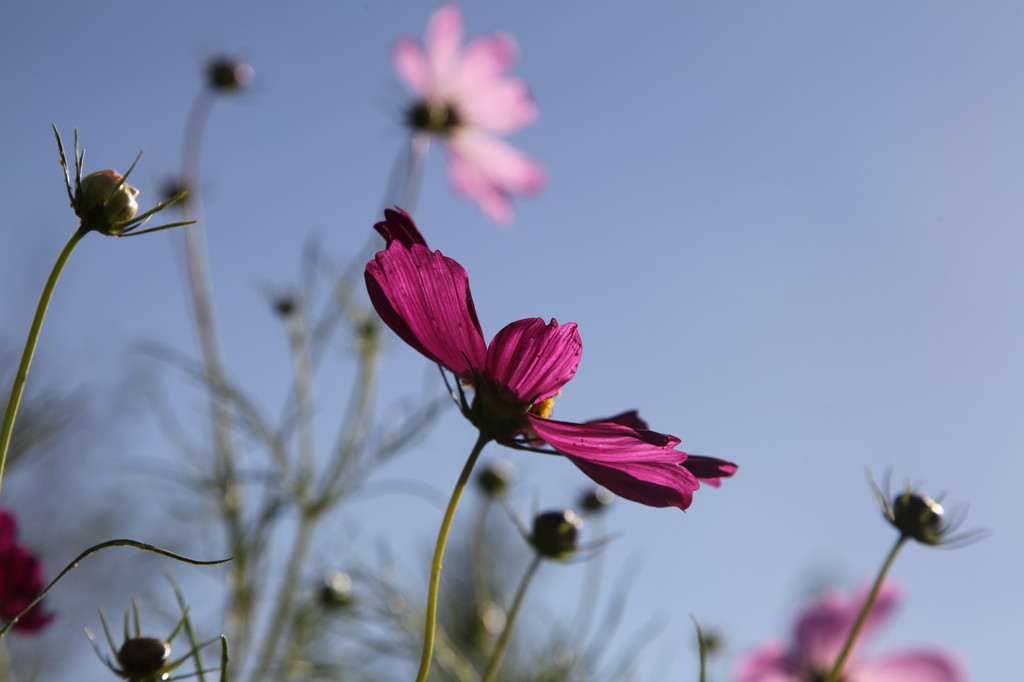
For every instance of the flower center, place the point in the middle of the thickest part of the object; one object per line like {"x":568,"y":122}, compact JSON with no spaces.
{"x":433,"y":117}
{"x":498,"y":411}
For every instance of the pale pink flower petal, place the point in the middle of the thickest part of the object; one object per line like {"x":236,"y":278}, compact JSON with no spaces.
{"x":443,"y":47}
{"x":912,"y":666}
{"x":489,"y":171}
{"x":822,"y":628}
{"x":820,"y":634}
{"x":465,"y":97}
{"x":771,"y":663}
{"x":412,"y":66}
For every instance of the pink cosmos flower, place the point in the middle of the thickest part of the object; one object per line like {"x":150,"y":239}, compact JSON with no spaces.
{"x":819,"y":637}
{"x":466,"y":99}
{"x":21,"y":579}
{"x":424,"y":297}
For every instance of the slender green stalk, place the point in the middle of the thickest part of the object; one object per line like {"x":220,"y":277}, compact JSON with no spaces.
{"x":226,"y":450}
{"x":281,"y":617}
{"x":303,"y":368}
{"x":30,"y":347}
{"x":506,"y":634}
{"x":702,"y":646}
{"x":124,"y":542}
{"x":6,"y":669}
{"x":435,"y":567}
{"x":869,"y":604}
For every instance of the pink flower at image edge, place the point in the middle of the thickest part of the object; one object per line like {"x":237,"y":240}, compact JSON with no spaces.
{"x":819,"y":635}
{"x":21,"y":579}
{"x":424,"y":297}
{"x":466,"y":99}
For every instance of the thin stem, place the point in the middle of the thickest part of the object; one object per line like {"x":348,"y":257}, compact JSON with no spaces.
{"x":303,"y":369}
{"x":418,"y":147}
{"x":145,"y":546}
{"x":230,"y":498}
{"x":406,"y":177}
{"x":862,"y":618}
{"x":282,"y":613}
{"x":435,"y":567}
{"x":348,"y":445}
{"x":6,"y":668}
{"x":506,"y":634}
{"x":30,"y":347}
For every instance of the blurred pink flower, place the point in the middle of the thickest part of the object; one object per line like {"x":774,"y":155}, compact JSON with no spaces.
{"x":424,"y":297}
{"x":466,"y":99}
{"x":818,"y":638}
{"x":21,"y":579}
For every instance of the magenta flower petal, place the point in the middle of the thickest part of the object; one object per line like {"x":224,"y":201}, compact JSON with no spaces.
{"x":534,"y":360}
{"x":710,"y":470}
{"x":424,"y":297}
{"x":8,"y":529}
{"x":640,"y":466}
{"x":398,"y":226}
{"x":21,"y":579}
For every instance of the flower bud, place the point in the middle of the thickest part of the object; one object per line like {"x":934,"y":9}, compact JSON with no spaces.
{"x":336,"y":590}
{"x":284,"y":305}
{"x":143,"y":657}
{"x":99,"y":211}
{"x":496,"y":478}
{"x":555,"y":533}
{"x":227,"y":74}
{"x":596,"y":500}
{"x":918,"y":516}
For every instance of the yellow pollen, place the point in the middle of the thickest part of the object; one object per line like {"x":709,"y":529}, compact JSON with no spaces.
{"x":544,"y":407}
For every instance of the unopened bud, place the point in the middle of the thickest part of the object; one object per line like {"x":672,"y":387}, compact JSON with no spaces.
{"x":918,"y":516}
{"x":496,"y":477}
{"x":336,"y":591}
{"x":227,"y":74}
{"x":142,"y":658}
{"x":100,"y":206}
{"x":596,"y":500}
{"x":555,"y":533}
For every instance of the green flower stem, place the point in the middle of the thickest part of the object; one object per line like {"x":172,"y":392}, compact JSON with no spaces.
{"x":869,"y":604}
{"x":122,"y":542}
{"x":281,"y":617}
{"x":435,"y":567}
{"x":506,"y":634}
{"x":30,"y":347}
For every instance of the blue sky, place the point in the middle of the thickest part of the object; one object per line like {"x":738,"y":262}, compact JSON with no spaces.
{"x":790,"y":234}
